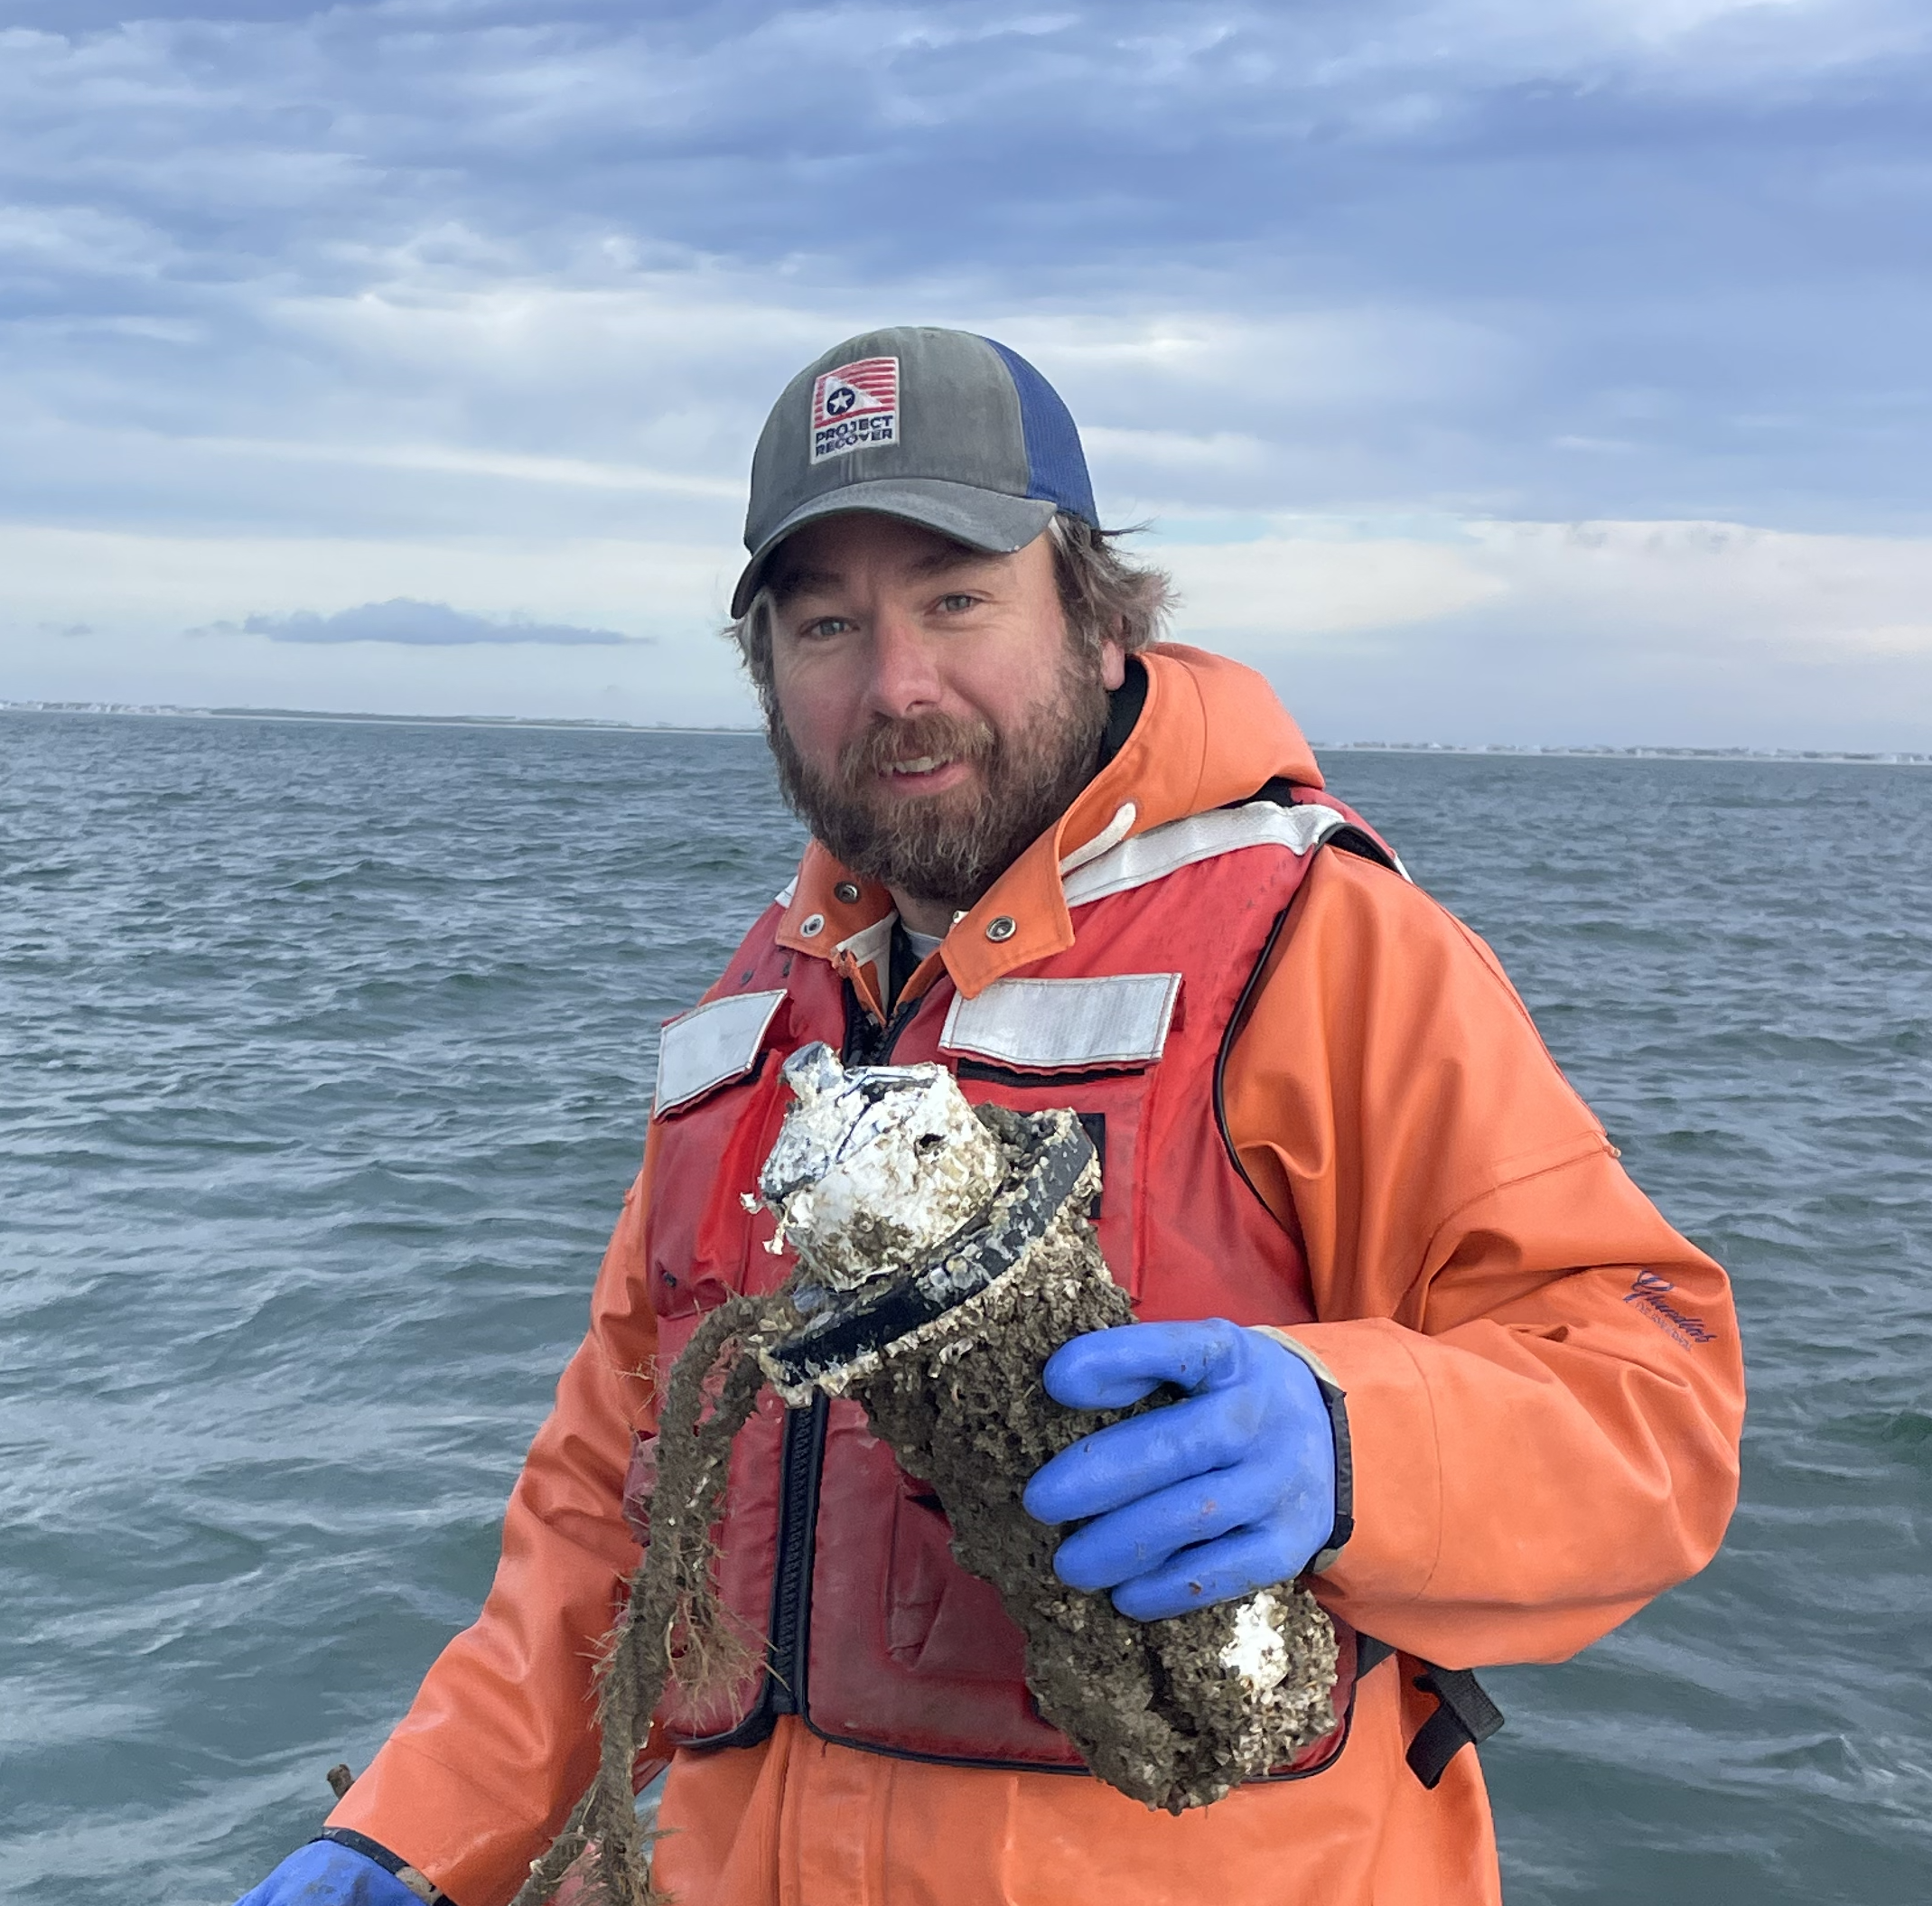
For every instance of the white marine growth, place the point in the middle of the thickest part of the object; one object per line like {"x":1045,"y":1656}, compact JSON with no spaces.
{"x":874,"y":1169}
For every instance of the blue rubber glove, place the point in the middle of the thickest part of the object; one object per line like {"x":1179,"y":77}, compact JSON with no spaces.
{"x":323,"y":1873}
{"x":1228,"y":1489}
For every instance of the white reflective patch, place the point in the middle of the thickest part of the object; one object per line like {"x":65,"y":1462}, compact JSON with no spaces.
{"x":711,"y":1044}
{"x":1051,"y":1025}
{"x":1162,"y":850}
{"x":783,"y":898}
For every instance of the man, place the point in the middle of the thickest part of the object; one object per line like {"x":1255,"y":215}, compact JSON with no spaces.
{"x":1387,"y":1255}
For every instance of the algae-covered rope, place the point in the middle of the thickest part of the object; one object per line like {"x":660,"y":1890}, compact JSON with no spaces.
{"x":672,"y":1595}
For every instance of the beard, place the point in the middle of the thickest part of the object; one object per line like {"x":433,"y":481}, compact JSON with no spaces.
{"x":948,"y":848}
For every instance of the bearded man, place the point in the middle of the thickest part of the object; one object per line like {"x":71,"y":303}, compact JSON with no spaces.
{"x":1386,"y":1256}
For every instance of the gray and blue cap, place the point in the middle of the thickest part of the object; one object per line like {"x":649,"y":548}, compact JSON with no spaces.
{"x":936,"y":427}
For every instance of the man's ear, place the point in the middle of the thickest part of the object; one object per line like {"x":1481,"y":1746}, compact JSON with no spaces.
{"x":1113,"y":663}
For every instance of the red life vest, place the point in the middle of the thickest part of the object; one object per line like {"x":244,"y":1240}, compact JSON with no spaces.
{"x":874,"y":1634}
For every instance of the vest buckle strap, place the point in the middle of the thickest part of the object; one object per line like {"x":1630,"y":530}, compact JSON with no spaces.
{"x":1465,"y":1716}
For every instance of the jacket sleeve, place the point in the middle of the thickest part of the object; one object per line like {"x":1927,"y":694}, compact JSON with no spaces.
{"x":500,"y":1740}
{"x":1544,"y":1381}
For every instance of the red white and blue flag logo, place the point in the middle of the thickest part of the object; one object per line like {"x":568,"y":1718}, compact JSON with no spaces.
{"x":855,"y":408}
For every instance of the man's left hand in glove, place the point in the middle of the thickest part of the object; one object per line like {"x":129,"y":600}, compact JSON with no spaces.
{"x":1228,"y":1489}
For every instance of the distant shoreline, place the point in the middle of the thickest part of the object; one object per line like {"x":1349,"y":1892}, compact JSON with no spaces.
{"x":590,"y":723}
{"x":1796,"y":757}
{"x":1897,"y":758}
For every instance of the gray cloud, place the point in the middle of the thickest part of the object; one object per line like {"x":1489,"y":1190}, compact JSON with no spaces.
{"x":423,"y":625}
{"x":1598,"y":257}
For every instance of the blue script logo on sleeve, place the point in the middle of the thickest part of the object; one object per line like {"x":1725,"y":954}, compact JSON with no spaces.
{"x":1647,"y":1292}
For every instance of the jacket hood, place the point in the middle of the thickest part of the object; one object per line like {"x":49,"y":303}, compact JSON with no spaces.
{"x":1211,"y":732}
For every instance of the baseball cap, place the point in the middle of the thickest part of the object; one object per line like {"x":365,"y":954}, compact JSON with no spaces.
{"x":937,"y":428}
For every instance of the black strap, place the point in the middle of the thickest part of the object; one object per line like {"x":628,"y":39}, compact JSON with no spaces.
{"x":1464,"y":1715}
{"x":1369,"y":1653}
{"x":1349,"y":837}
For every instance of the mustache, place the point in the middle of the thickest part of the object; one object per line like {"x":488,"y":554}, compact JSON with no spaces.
{"x":939,"y":847}
{"x":886,"y":741}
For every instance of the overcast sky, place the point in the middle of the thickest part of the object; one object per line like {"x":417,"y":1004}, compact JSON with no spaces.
{"x":1521,"y":370}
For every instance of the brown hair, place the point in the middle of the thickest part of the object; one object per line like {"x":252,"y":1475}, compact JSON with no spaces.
{"x":1102,"y":593}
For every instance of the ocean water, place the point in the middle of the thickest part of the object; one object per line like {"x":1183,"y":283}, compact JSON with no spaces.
{"x":325,"y":1055}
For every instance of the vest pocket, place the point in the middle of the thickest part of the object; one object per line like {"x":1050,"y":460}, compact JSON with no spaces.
{"x":939,"y":1620}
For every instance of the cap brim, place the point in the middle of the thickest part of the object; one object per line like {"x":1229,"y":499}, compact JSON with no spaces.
{"x":986,"y":519}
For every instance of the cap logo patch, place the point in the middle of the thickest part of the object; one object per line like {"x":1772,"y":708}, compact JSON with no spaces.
{"x":855,"y":408}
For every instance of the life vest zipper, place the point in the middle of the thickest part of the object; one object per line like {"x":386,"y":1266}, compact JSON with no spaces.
{"x":803,"y":1450}
{"x":802,"y":1457}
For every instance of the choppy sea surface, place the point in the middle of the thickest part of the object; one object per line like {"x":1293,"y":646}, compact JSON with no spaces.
{"x":325,"y":1055}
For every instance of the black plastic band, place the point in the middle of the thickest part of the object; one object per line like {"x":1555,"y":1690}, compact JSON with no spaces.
{"x":1335,"y":1401}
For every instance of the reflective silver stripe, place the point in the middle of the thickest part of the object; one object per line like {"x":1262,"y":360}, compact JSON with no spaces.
{"x":1057,"y":1025}
{"x":784,"y":896}
{"x":1162,"y":850}
{"x":711,"y":1044}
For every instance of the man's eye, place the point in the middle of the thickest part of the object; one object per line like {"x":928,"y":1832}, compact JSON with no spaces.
{"x":826,"y":626}
{"x":955,"y":605}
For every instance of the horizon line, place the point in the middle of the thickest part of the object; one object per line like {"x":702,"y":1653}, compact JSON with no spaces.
{"x":1874,"y":757}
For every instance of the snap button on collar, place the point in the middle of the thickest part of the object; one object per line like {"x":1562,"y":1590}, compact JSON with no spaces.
{"x":812,"y":925}
{"x":847,"y":892}
{"x":1003,"y":927}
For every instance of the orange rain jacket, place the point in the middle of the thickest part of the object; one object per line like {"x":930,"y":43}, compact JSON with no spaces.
{"x":1544,"y":1392}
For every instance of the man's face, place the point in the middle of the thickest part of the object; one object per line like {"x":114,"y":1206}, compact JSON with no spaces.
{"x":930,"y":715}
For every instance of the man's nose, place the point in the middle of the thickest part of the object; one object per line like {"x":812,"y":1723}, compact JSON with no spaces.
{"x":904,"y":679}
